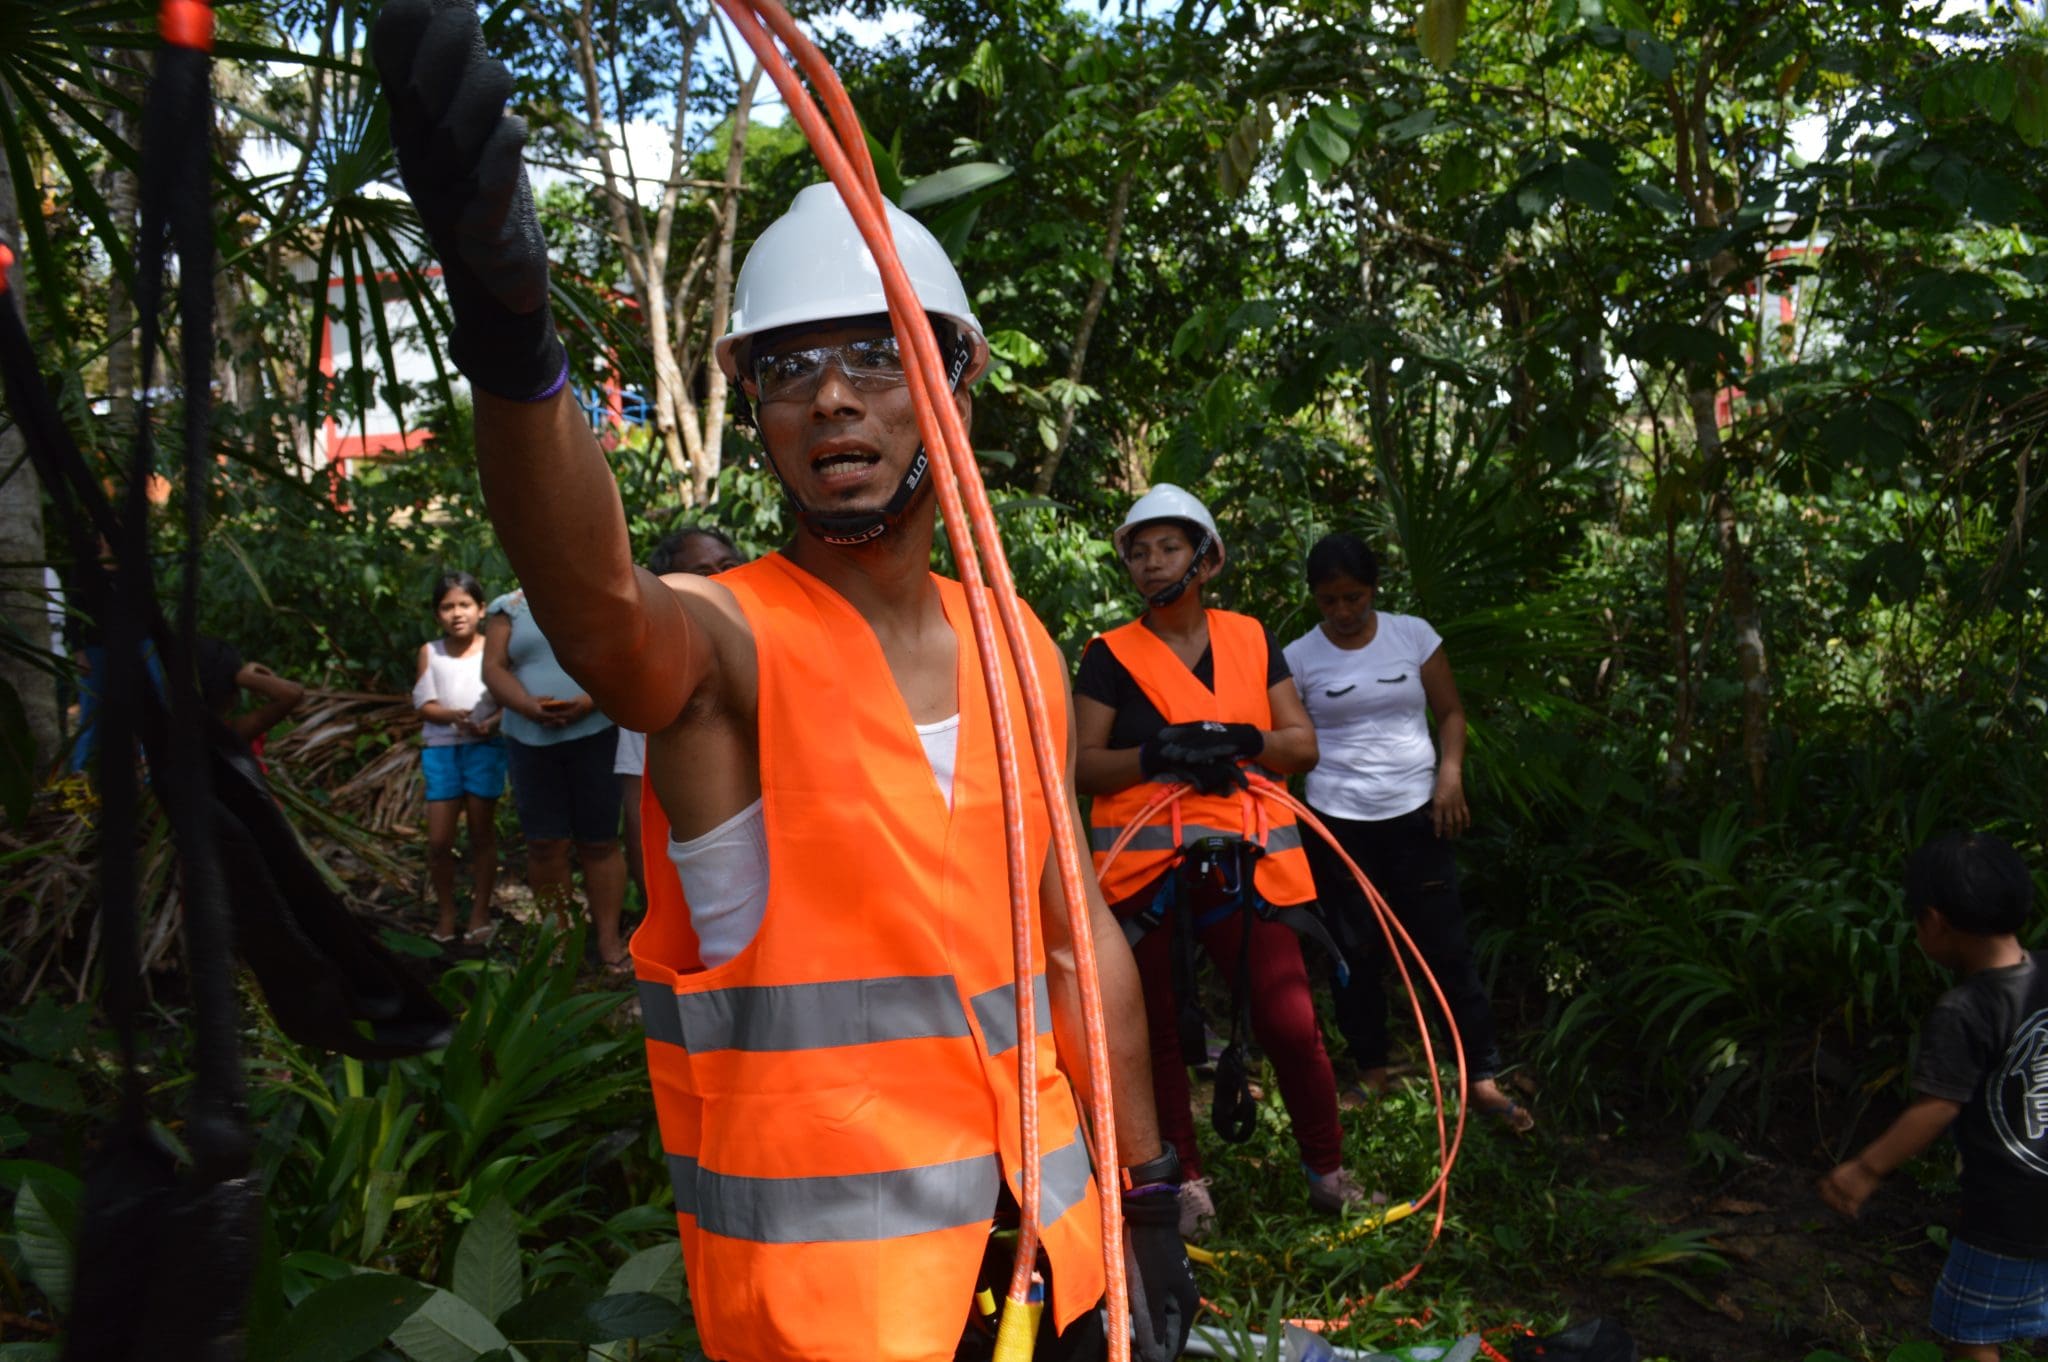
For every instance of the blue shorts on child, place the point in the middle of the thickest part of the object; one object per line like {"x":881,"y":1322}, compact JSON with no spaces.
{"x":465,"y":768}
{"x":1986,"y":1297}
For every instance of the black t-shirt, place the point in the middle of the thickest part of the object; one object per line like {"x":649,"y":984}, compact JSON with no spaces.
{"x":1102,"y":678}
{"x":1986,"y":1045}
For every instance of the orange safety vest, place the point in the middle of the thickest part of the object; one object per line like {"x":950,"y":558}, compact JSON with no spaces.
{"x":839,"y":1102}
{"x":1237,"y":647}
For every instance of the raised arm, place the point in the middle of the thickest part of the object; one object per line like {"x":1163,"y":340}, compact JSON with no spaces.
{"x":624,"y":637}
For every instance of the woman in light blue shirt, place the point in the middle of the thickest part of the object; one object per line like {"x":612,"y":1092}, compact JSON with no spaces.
{"x":559,"y":749}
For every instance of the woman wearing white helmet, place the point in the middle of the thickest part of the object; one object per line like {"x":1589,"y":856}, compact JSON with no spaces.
{"x":1186,"y":694}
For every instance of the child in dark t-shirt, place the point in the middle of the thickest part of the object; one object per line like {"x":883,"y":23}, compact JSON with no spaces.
{"x":1983,"y":1069}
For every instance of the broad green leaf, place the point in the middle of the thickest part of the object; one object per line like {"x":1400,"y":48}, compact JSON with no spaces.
{"x":447,"y":1328}
{"x":886,"y":173}
{"x":554,"y":1312}
{"x":2030,"y":96}
{"x":951,"y":183}
{"x":1656,"y":196}
{"x":631,"y":1314}
{"x":658,"y":1271}
{"x":1328,"y":141}
{"x":1588,"y":184}
{"x":487,"y":1271}
{"x":1993,"y":88}
{"x":343,"y":1320}
{"x":1652,"y":54}
{"x":1438,"y":29}
{"x":32,"y":1081}
{"x":30,"y":1352}
{"x":45,"y":1228}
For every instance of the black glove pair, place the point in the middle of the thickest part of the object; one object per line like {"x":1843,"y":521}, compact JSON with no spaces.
{"x":1205,"y":754}
{"x":459,"y":154}
{"x":1164,"y":1297}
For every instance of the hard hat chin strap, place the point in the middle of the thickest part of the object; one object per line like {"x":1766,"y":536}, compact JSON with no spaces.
{"x":848,"y":528}
{"x":1173,"y":593}
{"x":859,"y":527}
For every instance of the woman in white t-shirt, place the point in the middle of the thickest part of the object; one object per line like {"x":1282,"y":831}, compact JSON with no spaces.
{"x":1372,"y":681}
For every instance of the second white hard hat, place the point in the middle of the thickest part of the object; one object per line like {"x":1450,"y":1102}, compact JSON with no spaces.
{"x":812,"y":265}
{"x":1168,"y":502}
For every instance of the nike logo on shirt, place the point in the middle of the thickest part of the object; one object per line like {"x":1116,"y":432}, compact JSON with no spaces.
{"x":1333,"y":694}
{"x":1393,"y":680}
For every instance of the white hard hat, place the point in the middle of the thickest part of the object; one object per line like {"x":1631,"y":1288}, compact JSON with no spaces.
{"x":811,"y":265}
{"x":1167,"y":502}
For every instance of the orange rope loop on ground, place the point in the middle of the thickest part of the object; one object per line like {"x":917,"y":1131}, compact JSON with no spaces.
{"x":1448,"y":1142}
{"x":976,"y":543}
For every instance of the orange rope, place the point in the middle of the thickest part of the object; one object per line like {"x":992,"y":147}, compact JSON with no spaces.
{"x":977,"y":542}
{"x":1448,"y":1144}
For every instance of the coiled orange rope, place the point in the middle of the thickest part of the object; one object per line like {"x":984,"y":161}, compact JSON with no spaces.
{"x":977,"y":544}
{"x":1448,"y":1141}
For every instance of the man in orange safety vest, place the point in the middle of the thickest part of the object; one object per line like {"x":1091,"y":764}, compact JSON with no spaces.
{"x":828,"y":995}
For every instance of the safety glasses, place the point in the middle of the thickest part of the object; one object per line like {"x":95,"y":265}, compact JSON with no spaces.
{"x":795,"y":375}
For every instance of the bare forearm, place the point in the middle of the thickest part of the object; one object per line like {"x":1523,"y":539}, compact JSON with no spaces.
{"x":1290,"y":751}
{"x":1105,"y":770}
{"x":1918,"y":1126}
{"x":556,"y":510}
{"x":1450,"y":737}
{"x":506,"y":690}
{"x":1123,"y":1016}
{"x":434,"y":712}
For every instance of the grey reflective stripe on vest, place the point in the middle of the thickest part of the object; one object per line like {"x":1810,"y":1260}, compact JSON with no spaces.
{"x":659,"y":1013}
{"x":1159,"y":837}
{"x":817,"y":1016}
{"x":1066,"y":1174}
{"x":860,"y":1207}
{"x":997,"y":1012}
{"x":851,"y":1208}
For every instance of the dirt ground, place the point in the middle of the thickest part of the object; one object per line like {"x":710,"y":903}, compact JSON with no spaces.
{"x":1798,"y":1277}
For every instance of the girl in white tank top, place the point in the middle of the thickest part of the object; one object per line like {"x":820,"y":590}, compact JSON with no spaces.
{"x":464,"y":762}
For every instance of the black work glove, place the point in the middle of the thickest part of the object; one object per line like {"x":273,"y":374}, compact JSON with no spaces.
{"x":458,"y":152}
{"x":1206,"y":754}
{"x":1163,"y":1292}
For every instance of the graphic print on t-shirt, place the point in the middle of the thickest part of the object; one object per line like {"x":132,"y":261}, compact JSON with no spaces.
{"x":2018,"y":1094}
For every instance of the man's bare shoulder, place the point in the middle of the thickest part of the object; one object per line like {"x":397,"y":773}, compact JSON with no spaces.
{"x":718,"y":620}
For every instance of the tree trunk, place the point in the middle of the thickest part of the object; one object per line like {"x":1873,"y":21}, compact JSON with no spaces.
{"x":1679,"y":750}
{"x":1119,"y":207}
{"x":23,"y":596}
{"x":1738,"y":586}
{"x":712,"y":459}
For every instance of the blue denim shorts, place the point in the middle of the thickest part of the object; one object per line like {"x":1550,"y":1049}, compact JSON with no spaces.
{"x":1986,"y":1297}
{"x":467,"y":768}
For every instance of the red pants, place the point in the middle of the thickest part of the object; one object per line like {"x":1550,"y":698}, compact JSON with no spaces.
{"x":1283,"y":1022}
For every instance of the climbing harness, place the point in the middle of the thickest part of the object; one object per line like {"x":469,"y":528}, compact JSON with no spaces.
{"x":1450,"y":1136}
{"x":841,"y":147}
{"x":1211,"y":881}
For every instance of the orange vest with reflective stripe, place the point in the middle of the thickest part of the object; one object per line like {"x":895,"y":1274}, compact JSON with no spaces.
{"x":1237,"y":647}
{"x":839,"y":1101}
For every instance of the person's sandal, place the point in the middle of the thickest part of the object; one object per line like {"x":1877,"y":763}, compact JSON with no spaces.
{"x":1514,"y":1116}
